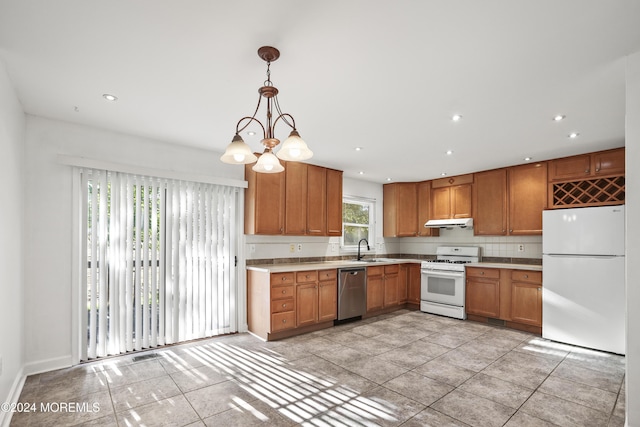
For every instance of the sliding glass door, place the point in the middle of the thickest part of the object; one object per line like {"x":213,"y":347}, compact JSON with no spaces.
{"x":160,"y":261}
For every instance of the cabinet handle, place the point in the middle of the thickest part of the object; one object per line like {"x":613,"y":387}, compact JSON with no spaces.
{"x":597,"y":169}
{"x":284,"y":278}
{"x":511,"y":230}
{"x":482,"y":273}
{"x":539,"y":289}
{"x":284,"y":305}
{"x":526,"y":276}
{"x":586,"y":171}
{"x":284,"y":292}
{"x":306,"y":277}
{"x":284,"y":320}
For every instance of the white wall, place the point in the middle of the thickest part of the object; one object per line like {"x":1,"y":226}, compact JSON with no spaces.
{"x":633,"y":239}
{"x":12,"y":131}
{"x":48,"y":213}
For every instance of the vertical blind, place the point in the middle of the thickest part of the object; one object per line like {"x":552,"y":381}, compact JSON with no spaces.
{"x":160,"y":261}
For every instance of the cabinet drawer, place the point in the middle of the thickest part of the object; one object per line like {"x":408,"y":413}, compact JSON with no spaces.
{"x":526,"y":276}
{"x":490,"y":273}
{"x":281,"y":305}
{"x":307,"y":276}
{"x":285,"y":320}
{"x":327,"y":274}
{"x":378,"y":270}
{"x":391,"y":269}
{"x":280,"y":292}
{"x":282,"y":279}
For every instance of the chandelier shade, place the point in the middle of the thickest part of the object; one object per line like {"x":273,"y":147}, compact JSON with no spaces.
{"x":268,"y":163}
{"x":238,"y":153}
{"x":293,"y":149}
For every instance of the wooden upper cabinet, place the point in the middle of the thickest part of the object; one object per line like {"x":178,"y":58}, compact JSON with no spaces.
{"x":609,"y":162}
{"x":316,"y":200}
{"x":400,"y":209}
{"x":490,"y":203}
{"x":264,"y":202}
{"x":424,"y":209}
{"x":527,"y":198}
{"x":451,"y":197}
{"x":295,"y":217}
{"x":601,"y":163}
{"x":334,"y":202}
{"x":303,"y":200}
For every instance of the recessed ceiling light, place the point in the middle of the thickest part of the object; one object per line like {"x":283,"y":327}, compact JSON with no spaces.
{"x":528,"y":159}
{"x":559,"y":117}
{"x":449,"y":152}
{"x":109,"y":97}
{"x":251,"y":133}
{"x":443,"y":174}
{"x":573,"y":135}
{"x":388,"y":179}
{"x":456,"y":117}
{"x":358,"y":148}
{"x":361,"y":172}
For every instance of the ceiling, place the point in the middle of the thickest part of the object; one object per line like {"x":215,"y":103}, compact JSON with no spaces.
{"x":386,"y":78}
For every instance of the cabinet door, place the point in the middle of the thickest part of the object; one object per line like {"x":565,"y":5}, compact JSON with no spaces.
{"x":264,"y":202}
{"x":440,"y":203}
{"x":490,"y":203}
{"x":306,"y":304}
{"x":295,"y":213}
{"x":375,"y":292}
{"x":461,"y":201}
{"x":413,"y":286}
{"x":527,"y":198}
{"x":609,"y":162}
{"x":483,"y":297}
{"x":327,"y":300}
{"x":526,"y":303}
{"x":574,"y":167}
{"x":334,"y":202}
{"x":390,"y":290}
{"x":316,"y":200}
{"x":407,"y":204}
{"x":424,"y":209}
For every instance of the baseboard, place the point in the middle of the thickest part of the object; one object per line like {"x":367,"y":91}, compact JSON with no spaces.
{"x":14,"y":395}
{"x":47,"y":365}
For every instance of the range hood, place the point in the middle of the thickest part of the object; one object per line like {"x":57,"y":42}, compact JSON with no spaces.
{"x":449,"y":223}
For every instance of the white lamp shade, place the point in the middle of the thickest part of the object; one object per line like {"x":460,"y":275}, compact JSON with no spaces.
{"x":238,"y":153}
{"x":294,"y":149}
{"x":268,"y":163}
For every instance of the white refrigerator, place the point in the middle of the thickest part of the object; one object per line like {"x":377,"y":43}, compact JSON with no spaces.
{"x":583,"y":265}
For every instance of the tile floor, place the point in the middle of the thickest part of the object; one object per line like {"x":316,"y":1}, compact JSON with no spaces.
{"x":407,"y":368}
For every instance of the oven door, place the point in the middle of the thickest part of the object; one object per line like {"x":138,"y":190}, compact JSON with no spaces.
{"x":444,"y":287}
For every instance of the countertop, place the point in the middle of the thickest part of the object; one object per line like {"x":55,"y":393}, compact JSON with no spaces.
{"x":325,"y":265}
{"x":530,"y":267}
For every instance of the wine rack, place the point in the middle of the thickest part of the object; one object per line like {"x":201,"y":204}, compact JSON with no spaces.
{"x":591,"y":192}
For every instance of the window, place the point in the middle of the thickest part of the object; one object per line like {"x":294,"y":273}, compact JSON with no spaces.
{"x":357,"y":221}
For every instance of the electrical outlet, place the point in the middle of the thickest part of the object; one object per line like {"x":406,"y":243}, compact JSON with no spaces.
{"x":520,"y":247}
{"x":334,"y":247}
{"x":292,"y":248}
{"x":252,"y":249}
{"x":299,"y":247}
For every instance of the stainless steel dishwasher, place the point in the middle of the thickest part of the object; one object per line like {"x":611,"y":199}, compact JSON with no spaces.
{"x":352,"y":293}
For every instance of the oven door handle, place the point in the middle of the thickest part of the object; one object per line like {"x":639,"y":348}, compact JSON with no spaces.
{"x":433,"y":273}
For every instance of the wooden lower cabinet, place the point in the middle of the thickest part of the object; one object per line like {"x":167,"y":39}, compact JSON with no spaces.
{"x":413,"y":284}
{"x":391,"y":273}
{"x":289,"y":303}
{"x":526,"y":297}
{"x":483,"y":292}
{"x":513,"y":296}
{"x":375,"y":288}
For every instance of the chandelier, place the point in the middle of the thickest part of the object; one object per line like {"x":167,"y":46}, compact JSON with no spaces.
{"x":293,"y":148}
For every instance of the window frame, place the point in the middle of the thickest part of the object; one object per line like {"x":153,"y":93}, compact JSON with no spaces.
{"x":371,"y":203}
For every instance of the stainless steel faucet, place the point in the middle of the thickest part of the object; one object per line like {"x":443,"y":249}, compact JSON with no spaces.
{"x":368,"y":248}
